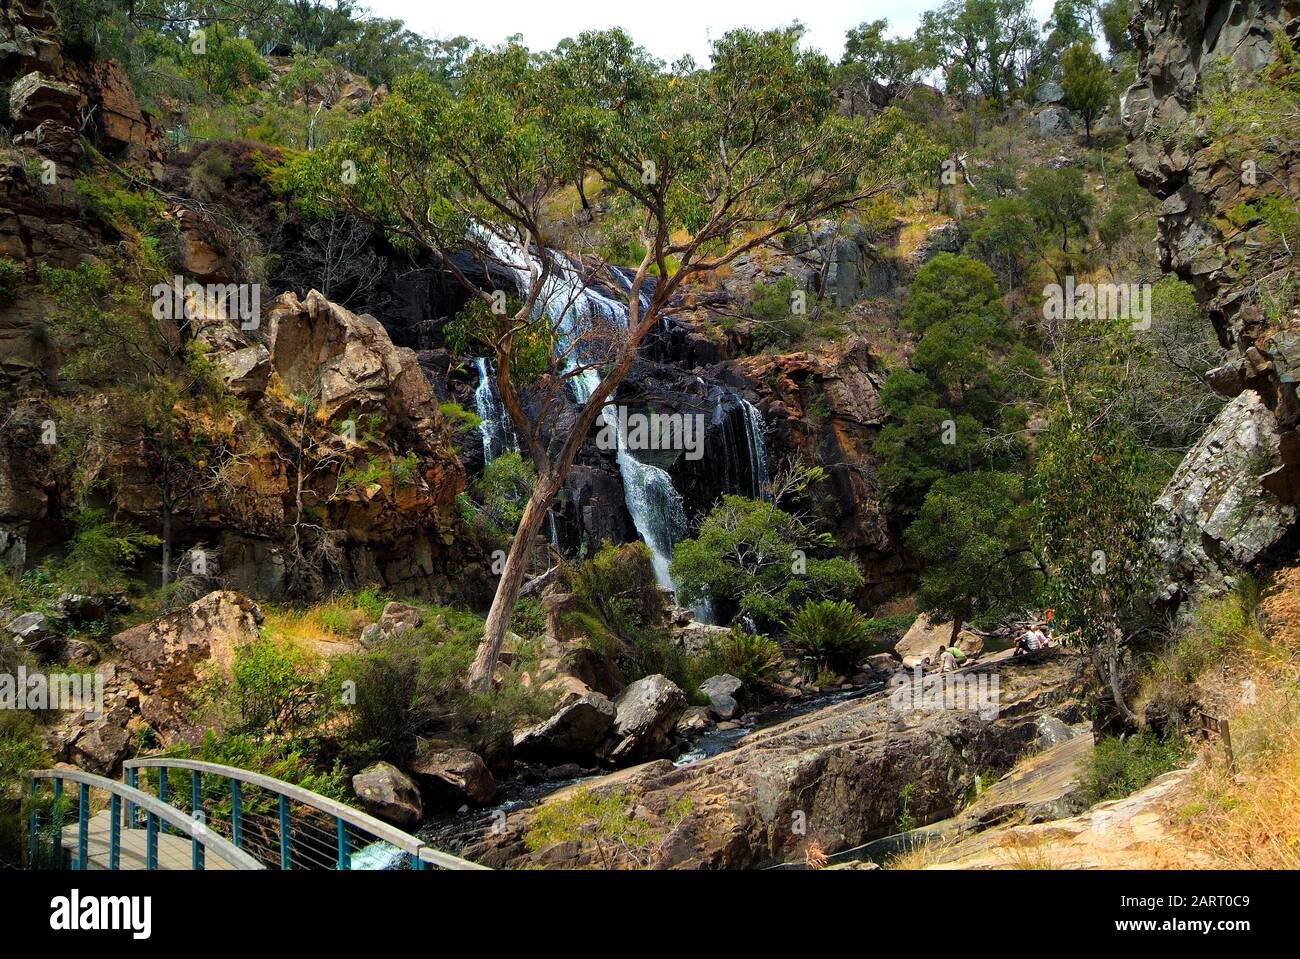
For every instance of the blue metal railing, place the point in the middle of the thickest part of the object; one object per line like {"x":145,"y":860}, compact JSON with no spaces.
{"x":158,"y":814}
{"x":320,"y":833}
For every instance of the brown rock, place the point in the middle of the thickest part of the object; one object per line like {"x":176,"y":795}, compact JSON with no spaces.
{"x":455,"y":773}
{"x":387,"y":793}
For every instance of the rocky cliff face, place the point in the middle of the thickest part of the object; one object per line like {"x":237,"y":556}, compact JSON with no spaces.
{"x":1201,"y":184}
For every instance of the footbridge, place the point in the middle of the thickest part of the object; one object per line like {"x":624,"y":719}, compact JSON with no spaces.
{"x":185,"y":814}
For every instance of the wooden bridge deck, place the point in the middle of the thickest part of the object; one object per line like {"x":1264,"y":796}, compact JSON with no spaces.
{"x":174,"y":852}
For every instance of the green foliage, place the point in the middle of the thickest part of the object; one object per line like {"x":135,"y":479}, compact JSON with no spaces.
{"x":502,"y":491}
{"x":20,"y":750}
{"x":114,"y":206}
{"x":607,"y":821}
{"x":1005,"y":237}
{"x":752,"y":658}
{"x":1094,"y":527}
{"x":1114,"y":24}
{"x":12,"y":275}
{"x":972,"y":534}
{"x":957,"y":409}
{"x":753,"y":556}
{"x":1059,"y":202}
{"x":1086,"y":83}
{"x":619,"y":584}
{"x":411,"y":685}
{"x":100,"y":553}
{"x":1120,"y":767}
{"x":776,"y":325}
{"x":459,"y":417}
{"x":829,"y":635}
{"x":225,"y":65}
{"x":274,"y":689}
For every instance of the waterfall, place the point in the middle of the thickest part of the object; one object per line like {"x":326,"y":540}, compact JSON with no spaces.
{"x":656,"y":507}
{"x":757,"y":448}
{"x":494,"y":422}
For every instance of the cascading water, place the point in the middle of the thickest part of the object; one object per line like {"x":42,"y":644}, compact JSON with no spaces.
{"x":655,"y":505}
{"x":494,"y":422}
{"x":757,"y":448}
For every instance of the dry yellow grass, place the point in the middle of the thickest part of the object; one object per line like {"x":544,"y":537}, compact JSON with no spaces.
{"x":1250,"y":818}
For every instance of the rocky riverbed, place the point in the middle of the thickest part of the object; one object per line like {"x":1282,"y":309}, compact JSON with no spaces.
{"x":836,"y":777}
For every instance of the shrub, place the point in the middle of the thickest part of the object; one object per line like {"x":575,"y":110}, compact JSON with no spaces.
{"x":411,"y":685}
{"x":502,"y":491}
{"x":273,"y":689}
{"x":753,"y":659}
{"x":459,"y":417}
{"x":751,"y":556}
{"x":1119,"y":767}
{"x":606,"y":821}
{"x":20,"y":750}
{"x":829,"y":635}
{"x":619,"y":584}
{"x":11,"y":275}
{"x":99,"y":553}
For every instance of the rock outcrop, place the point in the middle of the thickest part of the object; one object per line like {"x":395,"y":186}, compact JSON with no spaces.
{"x":573,"y":733}
{"x":646,"y":713}
{"x":1200,"y":184}
{"x":840,"y":772}
{"x":166,"y":656}
{"x":1217,"y":516}
{"x":453,"y":775}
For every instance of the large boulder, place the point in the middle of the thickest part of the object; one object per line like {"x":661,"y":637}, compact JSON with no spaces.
{"x":723,"y":691}
{"x":165,"y":656}
{"x":1217,"y":515}
{"x":29,"y":629}
{"x":453,"y":773}
{"x":389,"y":794}
{"x":593,"y":669}
{"x":574,"y":732}
{"x":646,"y":712}
{"x":925,"y":636}
{"x":399,"y":618}
{"x":36,"y":98}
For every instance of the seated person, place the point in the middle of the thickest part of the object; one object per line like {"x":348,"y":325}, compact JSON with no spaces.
{"x":1031,"y":641}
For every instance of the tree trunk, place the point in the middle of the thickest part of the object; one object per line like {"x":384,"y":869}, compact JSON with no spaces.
{"x":166,"y":544}
{"x":512,"y":578}
{"x":1116,"y":690}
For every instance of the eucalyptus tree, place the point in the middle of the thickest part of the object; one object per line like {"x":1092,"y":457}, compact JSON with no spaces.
{"x":699,"y":166}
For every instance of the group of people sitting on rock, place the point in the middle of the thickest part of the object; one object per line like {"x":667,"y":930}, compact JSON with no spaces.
{"x":1037,"y":636}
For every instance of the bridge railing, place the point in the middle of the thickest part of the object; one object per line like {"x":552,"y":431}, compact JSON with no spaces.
{"x":129,"y":812}
{"x":283,"y":825}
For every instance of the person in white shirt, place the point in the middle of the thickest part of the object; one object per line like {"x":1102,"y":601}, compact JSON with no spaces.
{"x":1031,"y":641}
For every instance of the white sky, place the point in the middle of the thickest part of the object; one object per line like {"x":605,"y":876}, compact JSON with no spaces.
{"x":667,"y":28}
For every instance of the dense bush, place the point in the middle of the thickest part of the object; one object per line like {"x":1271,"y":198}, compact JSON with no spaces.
{"x":753,"y":659}
{"x":1119,"y":767}
{"x":753,"y":557}
{"x":829,"y":635}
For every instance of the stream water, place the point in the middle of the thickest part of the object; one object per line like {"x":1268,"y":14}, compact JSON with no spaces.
{"x":451,"y":831}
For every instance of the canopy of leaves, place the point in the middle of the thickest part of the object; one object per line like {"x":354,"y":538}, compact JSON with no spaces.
{"x":745,"y":557}
{"x":973,"y":535}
